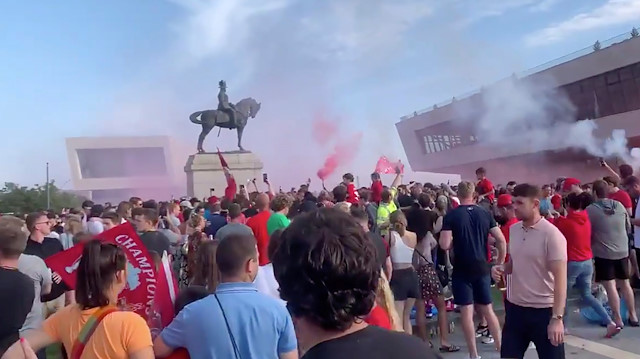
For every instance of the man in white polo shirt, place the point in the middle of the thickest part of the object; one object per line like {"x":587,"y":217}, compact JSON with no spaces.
{"x":537,"y":292}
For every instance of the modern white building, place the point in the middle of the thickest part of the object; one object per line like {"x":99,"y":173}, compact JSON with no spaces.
{"x":601,"y":82}
{"x":116,"y":168}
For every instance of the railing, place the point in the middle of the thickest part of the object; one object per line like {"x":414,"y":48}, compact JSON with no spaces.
{"x":547,"y":65}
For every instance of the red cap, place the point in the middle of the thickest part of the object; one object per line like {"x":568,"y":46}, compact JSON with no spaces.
{"x":505,"y":200}
{"x":213,"y":200}
{"x":566,"y":186}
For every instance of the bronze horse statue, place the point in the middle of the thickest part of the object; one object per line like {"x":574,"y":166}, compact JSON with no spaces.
{"x":245,"y":109}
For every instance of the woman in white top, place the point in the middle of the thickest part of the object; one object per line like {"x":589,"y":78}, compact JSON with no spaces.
{"x":404,"y":281}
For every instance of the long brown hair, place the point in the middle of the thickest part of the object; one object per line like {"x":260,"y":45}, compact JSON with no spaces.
{"x":206,"y":272}
{"x":96,"y":272}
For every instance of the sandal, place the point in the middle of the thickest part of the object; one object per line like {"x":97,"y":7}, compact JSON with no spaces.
{"x":449,"y":349}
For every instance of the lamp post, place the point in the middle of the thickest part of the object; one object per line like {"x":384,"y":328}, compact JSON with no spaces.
{"x":47,"y":189}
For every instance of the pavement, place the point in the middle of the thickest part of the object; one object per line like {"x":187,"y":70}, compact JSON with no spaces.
{"x":585,"y":340}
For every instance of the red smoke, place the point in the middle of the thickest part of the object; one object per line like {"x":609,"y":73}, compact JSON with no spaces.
{"x":343,"y":153}
{"x":323,"y":129}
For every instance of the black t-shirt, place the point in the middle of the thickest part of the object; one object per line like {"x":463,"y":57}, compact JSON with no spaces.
{"x":44,"y":250}
{"x":372,"y":343}
{"x":470,"y":226}
{"x":16,"y":299}
{"x":421,"y":221}
{"x":381,"y":248}
{"x":405,"y":200}
{"x":156,"y":242}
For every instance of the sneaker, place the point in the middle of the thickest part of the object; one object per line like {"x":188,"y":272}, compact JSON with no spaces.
{"x":487,"y":339}
{"x":480,"y":330}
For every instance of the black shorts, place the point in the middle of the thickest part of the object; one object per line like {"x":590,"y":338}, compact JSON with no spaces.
{"x":404,"y":284}
{"x":468,"y":291}
{"x":610,"y":269}
{"x":524,"y":325}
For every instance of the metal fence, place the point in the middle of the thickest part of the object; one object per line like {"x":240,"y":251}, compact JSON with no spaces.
{"x":547,"y":65}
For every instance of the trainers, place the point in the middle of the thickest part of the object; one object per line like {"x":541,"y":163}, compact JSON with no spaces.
{"x":480,"y":330}
{"x":487,"y":339}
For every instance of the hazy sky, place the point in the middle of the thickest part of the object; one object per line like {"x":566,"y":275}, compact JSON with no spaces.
{"x":89,"y":68}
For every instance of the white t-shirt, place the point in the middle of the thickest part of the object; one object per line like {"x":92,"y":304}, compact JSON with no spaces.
{"x":266,"y":282}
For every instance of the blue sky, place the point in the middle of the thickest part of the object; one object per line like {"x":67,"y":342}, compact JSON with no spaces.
{"x":87,"y":68}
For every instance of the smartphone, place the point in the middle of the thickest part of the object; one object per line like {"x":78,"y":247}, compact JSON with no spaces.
{"x":242,"y":186}
{"x":602,"y":163}
{"x":265,"y":178}
{"x":211,"y":190}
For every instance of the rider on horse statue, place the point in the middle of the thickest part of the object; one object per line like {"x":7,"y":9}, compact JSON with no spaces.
{"x":225,"y":106}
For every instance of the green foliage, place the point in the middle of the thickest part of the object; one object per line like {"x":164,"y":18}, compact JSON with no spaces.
{"x":597,"y":46}
{"x":21,"y":199}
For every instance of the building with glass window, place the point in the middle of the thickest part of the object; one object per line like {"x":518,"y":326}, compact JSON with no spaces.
{"x":601,"y":82}
{"x":112,"y":169}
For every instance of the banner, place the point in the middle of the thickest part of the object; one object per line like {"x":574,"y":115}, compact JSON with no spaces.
{"x":148,"y":291}
{"x":384,"y":166}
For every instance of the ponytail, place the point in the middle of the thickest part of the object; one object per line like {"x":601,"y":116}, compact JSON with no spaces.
{"x":96,"y":273}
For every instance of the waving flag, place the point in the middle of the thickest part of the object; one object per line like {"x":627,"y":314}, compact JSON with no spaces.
{"x":385,"y":166}
{"x":150,"y":292}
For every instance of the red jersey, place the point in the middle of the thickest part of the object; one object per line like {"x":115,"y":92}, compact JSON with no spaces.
{"x":352,"y":194}
{"x":232,"y":188}
{"x":576,"y":228}
{"x":258,"y":225}
{"x":505,"y":232}
{"x":556,"y":201}
{"x":379,"y":318}
{"x":622,"y":197}
{"x":376,"y":191}
{"x":485,"y":186}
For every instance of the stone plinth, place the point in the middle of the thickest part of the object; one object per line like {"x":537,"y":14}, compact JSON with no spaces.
{"x":204,"y":172}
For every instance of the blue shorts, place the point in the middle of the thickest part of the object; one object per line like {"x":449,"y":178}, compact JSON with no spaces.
{"x":467,"y":291}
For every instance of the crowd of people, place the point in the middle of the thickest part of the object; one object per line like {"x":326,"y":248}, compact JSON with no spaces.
{"x":331,"y":274}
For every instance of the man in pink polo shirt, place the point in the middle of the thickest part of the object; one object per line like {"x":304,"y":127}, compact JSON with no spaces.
{"x":537,"y":291}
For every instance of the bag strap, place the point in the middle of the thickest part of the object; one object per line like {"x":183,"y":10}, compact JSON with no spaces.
{"x":236,"y":351}
{"x":87,"y":330}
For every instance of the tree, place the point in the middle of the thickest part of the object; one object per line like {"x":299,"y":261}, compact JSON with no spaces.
{"x":597,"y":46}
{"x":21,"y":199}
{"x":634,"y":32}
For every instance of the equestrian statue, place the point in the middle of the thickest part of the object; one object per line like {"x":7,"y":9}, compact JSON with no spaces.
{"x":227,"y":115}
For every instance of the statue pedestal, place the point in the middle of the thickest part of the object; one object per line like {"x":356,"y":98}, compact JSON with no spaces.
{"x":205,"y":172}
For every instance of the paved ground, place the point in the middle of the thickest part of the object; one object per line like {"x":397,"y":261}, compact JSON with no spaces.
{"x":585,"y":341}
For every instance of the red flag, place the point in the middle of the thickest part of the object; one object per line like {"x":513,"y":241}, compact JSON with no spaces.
{"x":223,"y":163}
{"x":385,"y":166}
{"x":141,"y":295}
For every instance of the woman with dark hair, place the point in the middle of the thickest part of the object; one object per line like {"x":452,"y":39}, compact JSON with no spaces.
{"x":94,"y":328}
{"x":206,"y":272}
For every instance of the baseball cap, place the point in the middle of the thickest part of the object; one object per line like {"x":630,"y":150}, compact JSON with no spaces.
{"x":505,"y":200}
{"x":186,"y":204}
{"x":566,"y":186}
{"x":213,"y":200}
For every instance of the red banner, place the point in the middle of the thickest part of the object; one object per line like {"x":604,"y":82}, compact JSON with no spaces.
{"x":385,"y":166}
{"x":148,"y":291}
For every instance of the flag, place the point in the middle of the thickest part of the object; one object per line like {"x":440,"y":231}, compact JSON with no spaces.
{"x":385,"y":166}
{"x":223,"y":163}
{"x":147,"y":292}
{"x":232,"y":188}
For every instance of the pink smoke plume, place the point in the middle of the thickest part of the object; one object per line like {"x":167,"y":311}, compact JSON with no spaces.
{"x":323,"y":129}
{"x":343,"y":153}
